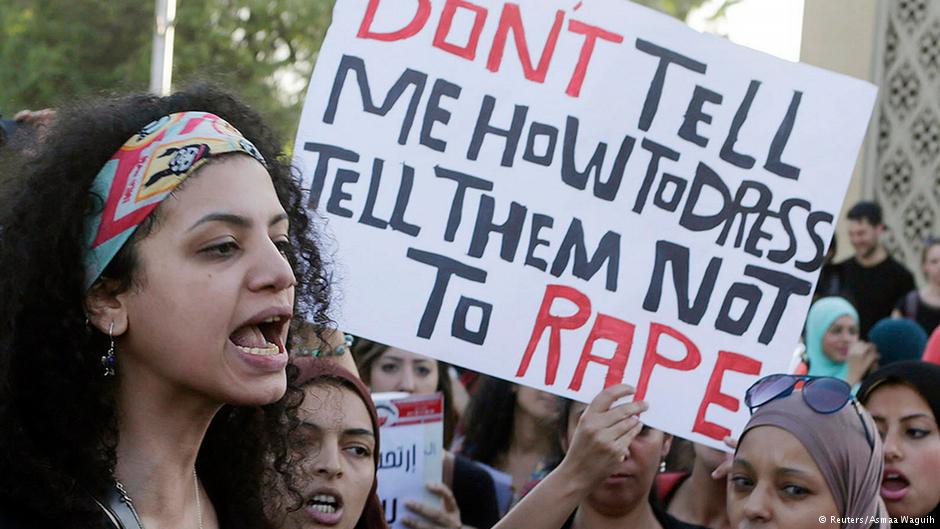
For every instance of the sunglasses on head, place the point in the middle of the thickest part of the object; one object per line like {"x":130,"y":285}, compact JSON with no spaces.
{"x":823,"y":395}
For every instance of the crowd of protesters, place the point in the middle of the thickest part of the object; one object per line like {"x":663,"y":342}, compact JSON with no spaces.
{"x":170,"y":362}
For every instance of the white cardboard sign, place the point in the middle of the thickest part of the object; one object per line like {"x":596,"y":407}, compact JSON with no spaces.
{"x":567,"y":194}
{"x":412,"y":451}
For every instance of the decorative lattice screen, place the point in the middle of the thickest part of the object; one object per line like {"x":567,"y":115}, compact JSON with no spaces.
{"x":904,"y":175}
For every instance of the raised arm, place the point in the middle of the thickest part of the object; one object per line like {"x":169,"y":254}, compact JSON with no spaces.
{"x":601,"y":441}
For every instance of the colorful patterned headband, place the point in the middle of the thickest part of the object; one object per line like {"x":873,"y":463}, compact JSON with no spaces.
{"x":144,"y":171}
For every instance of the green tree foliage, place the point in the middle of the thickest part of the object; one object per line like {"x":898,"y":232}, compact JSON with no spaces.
{"x":52,"y":51}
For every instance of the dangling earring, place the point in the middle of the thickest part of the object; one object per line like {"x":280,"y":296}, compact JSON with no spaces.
{"x":108,"y":359}
{"x":662,"y":466}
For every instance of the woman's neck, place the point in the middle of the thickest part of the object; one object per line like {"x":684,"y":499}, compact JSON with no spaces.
{"x":701,"y":500}
{"x":530,"y":444}
{"x":640,"y":517}
{"x":530,"y":435}
{"x":931,"y":293}
{"x":160,"y":431}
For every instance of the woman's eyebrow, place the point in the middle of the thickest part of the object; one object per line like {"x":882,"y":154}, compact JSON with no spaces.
{"x":790,"y":471}
{"x":915,"y":416}
{"x":227,"y":218}
{"x":280,"y":217}
{"x":359,"y":431}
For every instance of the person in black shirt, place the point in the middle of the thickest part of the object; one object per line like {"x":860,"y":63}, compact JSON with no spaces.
{"x":871,"y":279}
{"x":923,"y":305}
{"x":605,"y":480}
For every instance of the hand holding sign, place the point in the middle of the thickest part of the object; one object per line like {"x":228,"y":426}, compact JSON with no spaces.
{"x":447,"y":517}
{"x":602,"y":437}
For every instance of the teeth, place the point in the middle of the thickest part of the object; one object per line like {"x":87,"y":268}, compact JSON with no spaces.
{"x":272,"y":319}
{"x":269,"y":350}
{"x":329,"y":509}
{"x":325,"y":498}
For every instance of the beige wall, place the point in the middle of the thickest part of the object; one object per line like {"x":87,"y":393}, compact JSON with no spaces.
{"x":839,"y":35}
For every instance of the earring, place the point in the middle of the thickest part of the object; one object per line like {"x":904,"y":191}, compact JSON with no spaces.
{"x":108,"y":359}
{"x":662,"y":466}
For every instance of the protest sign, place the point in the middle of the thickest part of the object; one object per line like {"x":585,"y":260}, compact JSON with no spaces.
{"x":411,"y":451}
{"x":571,"y":194}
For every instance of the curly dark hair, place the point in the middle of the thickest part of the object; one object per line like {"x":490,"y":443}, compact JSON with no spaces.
{"x":57,"y":413}
{"x":488,"y":422}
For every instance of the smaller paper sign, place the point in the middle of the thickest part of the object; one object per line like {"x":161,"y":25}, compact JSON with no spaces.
{"x":411,"y":451}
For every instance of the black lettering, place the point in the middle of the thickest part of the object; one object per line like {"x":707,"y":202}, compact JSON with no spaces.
{"x":435,"y":114}
{"x":751,"y":294}
{"x":678,"y":256}
{"x":463,"y":181}
{"x":337,"y":195}
{"x":705,"y":177}
{"x":367,"y":217}
{"x":727,"y":149}
{"x":678,"y":189}
{"x":327,"y":153}
{"x":578,"y":179}
{"x":483,"y":127}
{"x":537,"y":129}
{"x":666,"y":57}
{"x":657,"y":152}
{"x":446,"y":267}
{"x":410,"y":77}
{"x":787,"y":285}
{"x":779,"y":143}
{"x":782,"y":256}
{"x":401,"y":203}
{"x":764,"y":197}
{"x":756,"y":234}
{"x":511,"y":230}
{"x":608,"y":251}
{"x":695,"y":115}
{"x":815,"y":218}
{"x":458,"y":328}
{"x":539,"y":221}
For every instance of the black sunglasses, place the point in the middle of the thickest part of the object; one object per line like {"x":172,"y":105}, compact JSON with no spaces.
{"x":822,"y":394}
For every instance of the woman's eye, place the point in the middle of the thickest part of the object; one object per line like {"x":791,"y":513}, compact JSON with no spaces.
{"x":389,"y":368}
{"x":359,"y":451}
{"x":423,"y":371}
{"x":284,"y":246}
{"x":795,"y":491}
{"x":917,"y":433}
{"x":221,"y":250}
{"x":740,"y":483}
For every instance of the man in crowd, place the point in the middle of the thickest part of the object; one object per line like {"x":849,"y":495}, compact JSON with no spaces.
{"x":871,"y":279}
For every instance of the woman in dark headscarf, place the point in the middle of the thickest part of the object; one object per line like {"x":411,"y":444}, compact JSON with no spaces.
{"x":338,"y":455}
{"x":830,"y":462}
{"x":904,"y":399}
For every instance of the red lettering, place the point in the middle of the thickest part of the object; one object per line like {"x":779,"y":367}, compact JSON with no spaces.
{"x":447,"y":18}
{"x":512,"y":20}
{"x":727,"y":361}
{"x":591,"y":34}
{"x":413,"y":27}
{"x":606,"y":328}
{"x":652,"y":358}
{"x":556,"y":323}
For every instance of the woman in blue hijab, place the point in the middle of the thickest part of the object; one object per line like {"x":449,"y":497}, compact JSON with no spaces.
{"x":833,"y":348}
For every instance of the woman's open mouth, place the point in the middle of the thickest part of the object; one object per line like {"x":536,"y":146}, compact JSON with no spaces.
{"x":325,"y":508}
{"x":894,"y":486}
{"x":261,"y":338}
